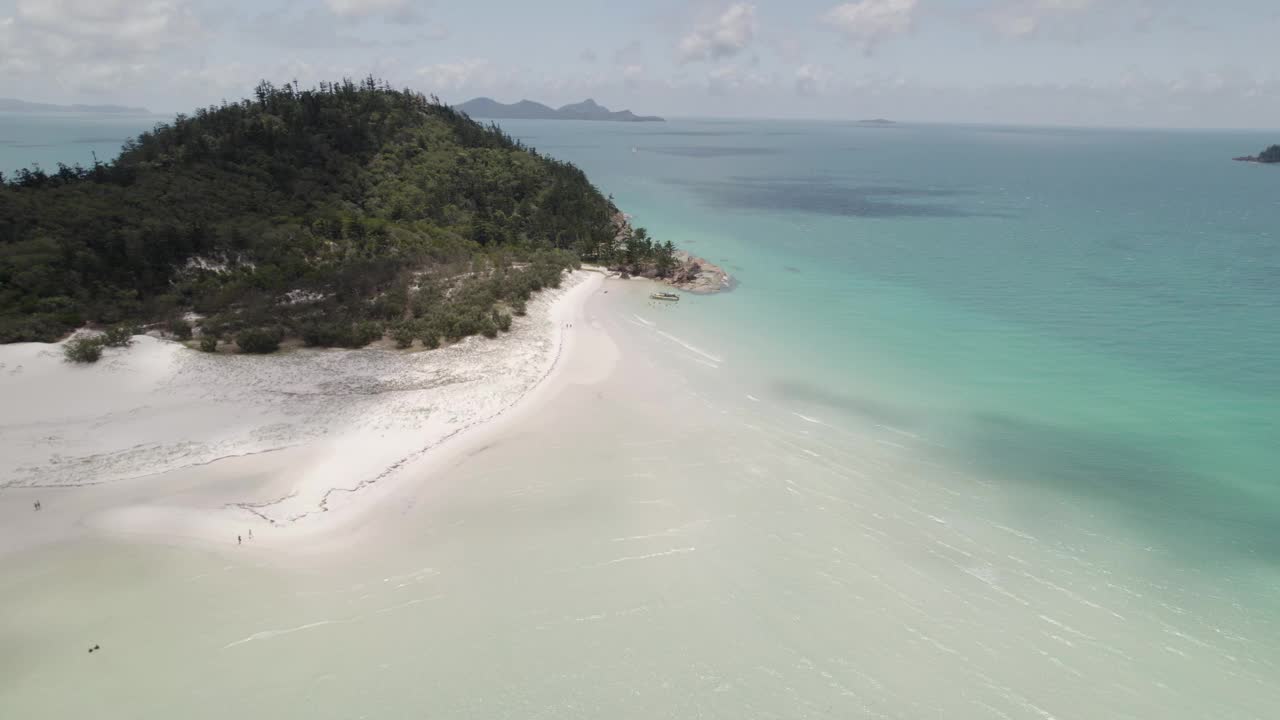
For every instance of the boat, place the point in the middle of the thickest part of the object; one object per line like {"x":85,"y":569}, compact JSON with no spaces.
{"x":664,"y":296}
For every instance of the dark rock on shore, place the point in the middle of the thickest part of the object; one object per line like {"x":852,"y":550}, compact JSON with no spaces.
{"x":696,"y":275}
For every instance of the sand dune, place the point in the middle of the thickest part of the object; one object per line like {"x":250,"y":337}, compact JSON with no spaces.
{"x":163,"y":440}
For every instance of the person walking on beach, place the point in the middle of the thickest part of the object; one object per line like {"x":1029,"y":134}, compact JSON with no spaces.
{"x":239,"y":540}
{"x":37,"y":506}
{"x":250,"y":533}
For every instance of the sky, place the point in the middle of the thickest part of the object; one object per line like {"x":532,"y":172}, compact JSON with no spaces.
{"x":1155,"y":63}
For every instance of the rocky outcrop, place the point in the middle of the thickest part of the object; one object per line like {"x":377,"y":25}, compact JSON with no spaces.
{"x":695,"y":275}
{"x":691,"y":273}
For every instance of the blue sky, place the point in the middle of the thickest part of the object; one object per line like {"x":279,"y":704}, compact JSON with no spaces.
{"x":1170,"y":63}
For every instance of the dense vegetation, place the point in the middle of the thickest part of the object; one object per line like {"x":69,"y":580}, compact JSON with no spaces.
{"x":336,"y":215}
{"x":1270,"y":156}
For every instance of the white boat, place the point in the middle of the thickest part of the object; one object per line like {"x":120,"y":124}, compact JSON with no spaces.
{"x":665,"y":296}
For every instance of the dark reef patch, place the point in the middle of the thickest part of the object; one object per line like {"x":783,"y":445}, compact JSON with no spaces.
{"x":709,"y":151}
{"x":826,"y":196}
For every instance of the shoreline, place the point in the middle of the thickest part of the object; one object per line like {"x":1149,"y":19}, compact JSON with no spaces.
{"x":699,"y":276}
{"x":691,"y":274}
{"x":292,"y":447}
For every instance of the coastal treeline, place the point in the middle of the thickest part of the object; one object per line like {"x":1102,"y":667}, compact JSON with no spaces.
{"x":1269,"y":156}
{"x":336,"y":215}
{"x":638,"y":254}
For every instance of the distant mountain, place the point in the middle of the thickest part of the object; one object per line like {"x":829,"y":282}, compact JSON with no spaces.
{"x":877,"y":122}
{"x":12,"y":105}
{"x":588,"y":109}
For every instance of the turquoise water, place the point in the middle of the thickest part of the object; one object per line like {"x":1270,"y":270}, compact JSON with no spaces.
{"x":1096,"y":312}
{"x":987,"y":429}
{"x":46,"y":139}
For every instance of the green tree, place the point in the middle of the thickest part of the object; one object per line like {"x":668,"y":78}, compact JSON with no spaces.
{"x":665,"y":258}
{"x":315,"y":211}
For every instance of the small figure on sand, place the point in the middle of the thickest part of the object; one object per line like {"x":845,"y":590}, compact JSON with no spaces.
{"x":95,"y":647}
{"x":37,"y":505}
{"x":239,"y":540}
{"x":250,"y":533}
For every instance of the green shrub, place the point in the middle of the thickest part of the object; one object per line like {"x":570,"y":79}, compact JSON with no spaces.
{"x":209,"y":343}
{"x":259,"y":341}
{"x":520,"y":307}
{"x":403,"y":334}
{"x":488,"y":327}
{"x":119,"y":336}
{"x":342,"y":333}
{"x":363,"y":333}
{"x":323,"y":334}
{"x":83,"y":349}
{"x":181,"y":329}
{"x":503,"y":320}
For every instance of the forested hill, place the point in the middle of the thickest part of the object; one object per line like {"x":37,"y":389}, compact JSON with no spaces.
{"x":334,"y":214}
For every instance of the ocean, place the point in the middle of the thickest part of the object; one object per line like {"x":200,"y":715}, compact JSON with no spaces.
{"x":1095,"y":312}
{"x":988,"y":428}
{"x":46,"y":139}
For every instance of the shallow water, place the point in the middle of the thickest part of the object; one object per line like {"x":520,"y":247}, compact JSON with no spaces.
{"x":659,"y":543}
{"x":987,"y":430}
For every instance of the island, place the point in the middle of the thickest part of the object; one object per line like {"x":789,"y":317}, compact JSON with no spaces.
{"x":338,"y":216}
{"x":22,"y":106}
{"x":1270,"y":156}
{"x":483,"y":107}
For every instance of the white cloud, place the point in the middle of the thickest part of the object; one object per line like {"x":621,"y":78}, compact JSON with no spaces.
{"x":94,"y":45}
{"x":725,"y":79}
{"x":98,"y":28}
{"x":401,"y":11}
{"x":632,"y":75}
{"x":725,"y":37}
{"x":1022,"y":18}
{"x":449,"y":77}
{"x":629,"y":54}
{"x":868,"y":22}
{"x":812,"y":79}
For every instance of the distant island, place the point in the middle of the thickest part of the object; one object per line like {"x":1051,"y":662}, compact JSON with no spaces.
{"x":1269,"y":156}
{"x":483,"y":107}
{"x":22,"y":106}
{"x":876,"y":122}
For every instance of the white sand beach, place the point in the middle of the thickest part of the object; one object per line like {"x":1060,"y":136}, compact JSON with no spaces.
{"x":165,"y":441}
{"x":636,"y":524}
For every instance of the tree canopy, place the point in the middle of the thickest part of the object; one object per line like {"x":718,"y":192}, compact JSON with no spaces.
{"x":333,"y":213}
